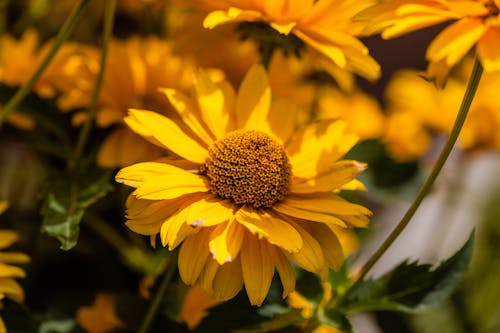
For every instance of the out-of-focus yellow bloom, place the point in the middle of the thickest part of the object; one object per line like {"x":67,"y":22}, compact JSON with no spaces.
{"x":477,"y":22}
{"x":249,"y":191}
{"x":100,"y":317}
{"x":19,"y":59}
{"x":195,"y":306}
{"x":8,"y":273}
{"x":324,"y":25}
{"x":135,"y":69}
{"x":416,"y":110}
{"x":361,"y":112}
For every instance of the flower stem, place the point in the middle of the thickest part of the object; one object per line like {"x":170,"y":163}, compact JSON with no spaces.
{"x":92,"y":109}
{"x":443,"y":156}
{"x":63,"y":34}
{"x":155,"y":304}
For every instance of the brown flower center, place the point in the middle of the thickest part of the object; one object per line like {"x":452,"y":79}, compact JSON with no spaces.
{"x":249,"y":168}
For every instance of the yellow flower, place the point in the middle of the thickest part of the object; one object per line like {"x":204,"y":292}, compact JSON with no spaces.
{"x":416,"y":110}
{"x":8,"y":286}
{"x":100,"y":317}
{"x":476,"y":23}
{"x":324,"y":25}
{"x":248,"y":192}
{"x":135,"y":70}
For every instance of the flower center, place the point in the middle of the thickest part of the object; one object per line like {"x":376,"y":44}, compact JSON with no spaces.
{"x":249,"y":168}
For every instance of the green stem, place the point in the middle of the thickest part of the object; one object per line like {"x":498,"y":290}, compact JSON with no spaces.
{"x":443,"y":156}
{"x":92,"y":109}
{"x":155,"y":304}
{"x":63,"y":34}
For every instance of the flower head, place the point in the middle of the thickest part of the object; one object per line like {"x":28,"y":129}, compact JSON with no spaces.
{"x":248,"y":192}
{"x":476,"y":22}
{"x":325,"y":26}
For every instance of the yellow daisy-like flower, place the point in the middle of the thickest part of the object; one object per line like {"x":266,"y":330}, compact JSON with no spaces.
{"x":8,"y":273}
{"x":324,"y":25}
{"x":477,"y":22}
{"x":421,"y":110}
{"x":249,"y":191}
{"x":135,"y":70}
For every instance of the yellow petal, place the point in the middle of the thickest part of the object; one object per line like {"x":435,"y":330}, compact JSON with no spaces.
{"x":333,"y":52}
{"x":212,"y":105}
{"x":228,"y":280}
{"x":193,"y":255}
{"x":11,"y":289}
{"x":14,"y":258}
{"x":284,"y":208}
{"x":225,"y":242}
{"x":167,"y":133}
{"x":456,"y":40}
{"x":219,"y":17}
{"x":274,"y":230}
{"x":7,"y":238}
{"x":310,"y":257}
{"x":257,"y":268}
{"x":8,"y":271}
{"x":332,"y":250}
{"x":282,"y":118}
{"x":209,"y":211}
{"x":3,"y":205}
{"x":316,"y":148}
{"x":195,"y":306}
{"x":488,"y":49}
{"x":159,"y":181}
{"x":327,"y":203}
{"x":174,"y":228}
{"x":189,"y":115}
{"x":254,"y":100}
{"x":208,"y":274}
{"x":284,"y":29}
{"x":285,"y":270}
{"x":340,"y":174}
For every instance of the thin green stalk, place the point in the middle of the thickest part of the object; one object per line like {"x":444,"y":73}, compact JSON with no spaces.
{"x":63,"y":34}
{"x":155,"y":304}
{"x":92,"y":109}
{"x":470,"y":92}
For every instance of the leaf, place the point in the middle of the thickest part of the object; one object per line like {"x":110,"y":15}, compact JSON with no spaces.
{"x":410,"y":287}
{"x":333,"y":318}
{"x":278,"y":322}
{"x":66,"y":201}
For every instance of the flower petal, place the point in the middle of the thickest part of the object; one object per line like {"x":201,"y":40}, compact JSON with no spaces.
{"x":209,"y":211}
{"x":254,"y":100}
{"x":488,"y":49}
{"x":193,"y":255}
{"x":332,"y":250}
{"x":257,"y":268}
{"x":228,"y":280}
{"x":274,"y":230}
{"x":159,"y":181}
{"x":212,"y":104}
{"x":315,"y":148}
{"x":340,"y":174}
{"x":225,"y":242}
{"x":310,"y":257}
{"x":166,"y":133}
{"x":285,"y":270}
{"x":327,"y":203}
{"x":188,"y":112}
{"x":219,"y":17}
{"x":456,"y":40}
{"x":282,"y":118}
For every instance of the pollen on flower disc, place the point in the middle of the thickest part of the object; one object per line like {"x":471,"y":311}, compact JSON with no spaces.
{"x":249,"y":168}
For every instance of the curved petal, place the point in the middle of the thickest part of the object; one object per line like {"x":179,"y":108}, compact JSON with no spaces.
{"x":315,"y":148}
{"x":159,"y":181}
{"x":332,"y":250}
{"x":310,"y":257}
{"x":285,"y":270}
{"x":187,"y":111}
{"x":253,"y":101}
{"x":257,"y":268}
{"x":282,"y":118}
{"x":207,"y":275}
{"x":228,"y":280}
{"x":8,"y":271}
{"x":165,"y":133}
{"x":456,"y":40}
{"x":225,"y":242}
{"x":274,"y":230}
{"x":219,"y":17}
{"x":7,"y":238}
{"x":340,"y":174}
{"x":209,"y":211}
{"x":211,"y":100}
{"x":193,"y":255}
{"x":327,"y":203}
{"x":11,"y":289}
{"x":488,"y":49}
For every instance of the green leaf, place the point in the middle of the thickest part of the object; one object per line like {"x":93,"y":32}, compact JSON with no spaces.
{"x":333,"y":318}
{"x":410,"y":287}
{"x":65,"y":203}
{"x":278,"y":322}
